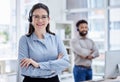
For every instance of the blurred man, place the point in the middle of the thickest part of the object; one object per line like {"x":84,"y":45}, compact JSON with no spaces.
{"x":84,"y":51}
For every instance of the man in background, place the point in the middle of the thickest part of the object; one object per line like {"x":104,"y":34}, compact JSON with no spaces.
{"x":85,"y":51}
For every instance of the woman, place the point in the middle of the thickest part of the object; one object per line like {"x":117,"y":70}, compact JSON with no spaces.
{"x":42,"y":55}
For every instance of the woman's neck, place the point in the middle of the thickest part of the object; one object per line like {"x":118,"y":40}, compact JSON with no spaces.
{"x":39,"y":34}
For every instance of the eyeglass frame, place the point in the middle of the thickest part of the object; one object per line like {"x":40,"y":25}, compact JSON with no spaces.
{"x":43,"y":17}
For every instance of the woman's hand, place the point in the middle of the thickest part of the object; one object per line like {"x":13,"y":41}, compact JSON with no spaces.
{"x":60,"y":56}
{"x":27,"y":61}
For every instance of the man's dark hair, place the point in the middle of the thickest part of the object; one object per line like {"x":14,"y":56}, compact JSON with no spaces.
{"x":80,"y":22}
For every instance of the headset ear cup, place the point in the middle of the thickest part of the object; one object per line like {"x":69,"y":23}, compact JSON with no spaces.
{"x":30,"y":19}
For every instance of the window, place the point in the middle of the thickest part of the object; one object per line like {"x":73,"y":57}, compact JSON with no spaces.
{"x":95,"y":13}
{"x":104,"y":24}
{"x":8,"y":40}
{"x":72,"y":4}
{"x":114,"y":2}
{"x":96,"y":3}
{"x":114,"y":28}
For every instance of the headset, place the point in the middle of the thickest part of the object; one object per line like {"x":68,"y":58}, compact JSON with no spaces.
{"x":30,"y":16}
{"x":77,"y":29}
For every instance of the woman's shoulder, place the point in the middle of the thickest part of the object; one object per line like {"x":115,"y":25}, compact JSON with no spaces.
{"x":23,"y":38}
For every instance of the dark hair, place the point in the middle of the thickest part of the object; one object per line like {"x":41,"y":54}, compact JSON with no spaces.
{"x":37,"y":6}
{"x":80,"y":22}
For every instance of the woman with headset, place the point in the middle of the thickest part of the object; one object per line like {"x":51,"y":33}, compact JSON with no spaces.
{"x":41,"y":53}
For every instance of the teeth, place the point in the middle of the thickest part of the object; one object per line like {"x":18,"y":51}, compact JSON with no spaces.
{"x":39,"y":24}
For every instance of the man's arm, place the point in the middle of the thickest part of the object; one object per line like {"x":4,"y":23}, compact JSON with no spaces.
{"x":94,"y":52}
{"x":82,"y":52}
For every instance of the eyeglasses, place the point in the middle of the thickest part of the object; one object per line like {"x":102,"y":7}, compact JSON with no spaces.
{"x":37,"y":17}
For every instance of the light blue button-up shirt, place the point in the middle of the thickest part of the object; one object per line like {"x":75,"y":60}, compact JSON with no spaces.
{"x":45,"y":52}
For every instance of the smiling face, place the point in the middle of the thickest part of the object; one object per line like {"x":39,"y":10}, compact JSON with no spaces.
{"x":40,"y":19}
{"x":83,"y":29}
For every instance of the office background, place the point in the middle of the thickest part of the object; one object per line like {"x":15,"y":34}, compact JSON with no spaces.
{"x":103,"y":17}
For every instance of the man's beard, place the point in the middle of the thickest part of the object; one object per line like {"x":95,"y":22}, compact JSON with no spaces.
{"x":83,"y":33}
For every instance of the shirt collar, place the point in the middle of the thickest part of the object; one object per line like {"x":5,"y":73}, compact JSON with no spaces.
{"x":34,"y":36}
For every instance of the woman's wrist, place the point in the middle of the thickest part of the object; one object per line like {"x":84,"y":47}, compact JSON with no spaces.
{"x":34,"y":63}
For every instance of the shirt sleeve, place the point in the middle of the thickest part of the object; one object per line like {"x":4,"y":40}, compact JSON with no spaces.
{"x":57,"y":65}
{"x":96,"y":52}
{"x":78,"y":49}
{"x":23,"y":52}
{"x":23,"y":48}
